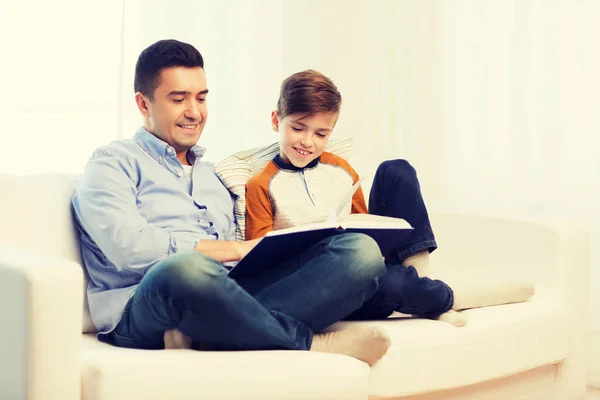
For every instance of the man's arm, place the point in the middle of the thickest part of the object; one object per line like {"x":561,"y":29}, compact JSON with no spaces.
{"x":105,"y":206}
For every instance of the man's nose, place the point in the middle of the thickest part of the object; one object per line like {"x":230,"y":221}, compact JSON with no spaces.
{"x":193,"y":112}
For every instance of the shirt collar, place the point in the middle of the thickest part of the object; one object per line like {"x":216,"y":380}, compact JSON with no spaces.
{"x":290,"y":167}
{"x":159,"y":149}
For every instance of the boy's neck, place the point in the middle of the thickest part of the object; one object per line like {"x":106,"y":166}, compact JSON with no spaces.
{"x":289,"y":166}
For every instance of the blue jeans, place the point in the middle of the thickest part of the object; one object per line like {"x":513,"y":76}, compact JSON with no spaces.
{"x":280,"y":309}
{"x":396,"y":193}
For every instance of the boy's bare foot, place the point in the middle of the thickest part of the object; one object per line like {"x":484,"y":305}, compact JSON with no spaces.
{"x":491,"y":295}
{"x":174,"y":339}
{"x":365,"y":343}
{"x":453,"y":318}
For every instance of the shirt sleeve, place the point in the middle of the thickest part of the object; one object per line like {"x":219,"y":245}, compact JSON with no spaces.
{"x":105,"y":207}
{"x":259,"y":212}
{"x":359,"y":206}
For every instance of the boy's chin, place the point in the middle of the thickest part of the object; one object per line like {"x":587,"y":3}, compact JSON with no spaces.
{"x":301,"y":163}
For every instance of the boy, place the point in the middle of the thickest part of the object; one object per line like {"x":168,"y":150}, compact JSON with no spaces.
{"x":303,"y":184}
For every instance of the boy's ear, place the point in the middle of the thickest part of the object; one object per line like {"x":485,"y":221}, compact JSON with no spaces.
{"x":142,"y":104}
{"x":275,"y":120}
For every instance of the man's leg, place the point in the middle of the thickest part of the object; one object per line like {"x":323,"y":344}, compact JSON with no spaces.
{"x":323,"y":284}
{"x":192,"y":293}
{"x":327,"y":291}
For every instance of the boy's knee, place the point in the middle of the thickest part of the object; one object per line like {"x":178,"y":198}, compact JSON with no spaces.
{"x":397,"y":169}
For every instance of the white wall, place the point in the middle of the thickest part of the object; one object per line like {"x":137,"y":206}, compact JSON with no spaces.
{"x":60,"y":69}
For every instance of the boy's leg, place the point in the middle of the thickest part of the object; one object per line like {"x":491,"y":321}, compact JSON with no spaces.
{"x":396,"y":193}
{"x":402,"y":290}
{"x":191,"y":292}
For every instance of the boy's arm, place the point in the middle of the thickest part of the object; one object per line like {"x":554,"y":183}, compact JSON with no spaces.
{"x":359,"y":206}
{"x":358,"y":201}
{"x":259,"y":212}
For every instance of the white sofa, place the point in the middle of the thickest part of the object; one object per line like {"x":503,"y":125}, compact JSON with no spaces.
{"x":532,"y":350}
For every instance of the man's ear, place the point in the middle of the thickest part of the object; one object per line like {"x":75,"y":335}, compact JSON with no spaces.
{"x":142,"y":103}
{"x":275,"y":121}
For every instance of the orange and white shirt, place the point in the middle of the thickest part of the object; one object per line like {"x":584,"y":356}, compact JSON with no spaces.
{"x":283,"y":196}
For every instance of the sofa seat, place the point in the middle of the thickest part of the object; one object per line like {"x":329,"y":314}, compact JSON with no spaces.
{"x":110,"y":373}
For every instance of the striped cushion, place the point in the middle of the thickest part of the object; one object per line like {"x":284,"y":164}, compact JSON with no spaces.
{"x":235,"y":171}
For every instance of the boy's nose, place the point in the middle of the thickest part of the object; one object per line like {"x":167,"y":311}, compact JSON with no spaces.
{"x":306,"y":141}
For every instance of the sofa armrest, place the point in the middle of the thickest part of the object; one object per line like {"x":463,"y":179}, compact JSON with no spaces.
{"x":41,"y":317}
{"x":549,"y":251}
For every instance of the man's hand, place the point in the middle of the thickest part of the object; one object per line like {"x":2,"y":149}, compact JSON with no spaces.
{"x":246,"y":246}
{"x":224,"y":251}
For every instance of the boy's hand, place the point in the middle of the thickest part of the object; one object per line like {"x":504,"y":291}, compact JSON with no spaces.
{"x":245,"y":247}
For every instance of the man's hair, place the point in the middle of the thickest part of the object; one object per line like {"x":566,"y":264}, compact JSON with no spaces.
{"x":308,"y":92}
{"x":158,"y":56}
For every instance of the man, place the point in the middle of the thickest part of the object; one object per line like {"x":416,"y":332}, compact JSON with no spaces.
{"x":156,"y":226}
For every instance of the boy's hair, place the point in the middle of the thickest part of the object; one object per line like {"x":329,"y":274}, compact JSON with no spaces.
{"x":308,"y":92}
{"x":158,"y":56}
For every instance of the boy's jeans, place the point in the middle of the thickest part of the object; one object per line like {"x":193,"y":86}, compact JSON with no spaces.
{"x":279,"y":309}
{"x":396,"y":193}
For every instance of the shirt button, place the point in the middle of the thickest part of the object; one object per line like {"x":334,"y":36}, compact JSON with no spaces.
{"x":179,"y":173}
{"x":169,"y":150}
{"x":160,"y":159}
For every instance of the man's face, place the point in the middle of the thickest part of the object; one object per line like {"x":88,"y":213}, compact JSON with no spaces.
{"x":178,"y":112}
{"x":303,"y":137}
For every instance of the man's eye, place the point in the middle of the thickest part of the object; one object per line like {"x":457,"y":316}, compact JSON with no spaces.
{"x":177,"y":100}
{"x":201,"y":100}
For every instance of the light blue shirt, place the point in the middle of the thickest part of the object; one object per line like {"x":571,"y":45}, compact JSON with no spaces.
{"x":134,"y":207}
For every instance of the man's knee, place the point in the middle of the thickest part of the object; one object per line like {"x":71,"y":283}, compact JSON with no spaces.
{"x":187,"y":273}
{"x":361,"y":256}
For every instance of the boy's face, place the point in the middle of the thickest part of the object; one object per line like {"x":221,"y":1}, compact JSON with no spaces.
{"x":303,"y":137}
{"x":178,"y":112}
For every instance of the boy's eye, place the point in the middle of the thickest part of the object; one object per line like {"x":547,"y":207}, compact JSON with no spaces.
{"x":296,"y":128}
{"x":321,"y":135}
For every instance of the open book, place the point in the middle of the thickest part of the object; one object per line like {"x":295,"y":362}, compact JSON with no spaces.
{"x":284,"y":244}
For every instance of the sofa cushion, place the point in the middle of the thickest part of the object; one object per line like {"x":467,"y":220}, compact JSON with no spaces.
{"x":497,"y":342}
{"x":235,"y":171}
{"x":115,"y":373}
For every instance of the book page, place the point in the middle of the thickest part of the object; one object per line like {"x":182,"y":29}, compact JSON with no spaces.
{"x":302,"y":228}
{"x":373,"y":221}
{"x":333,"y":218}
